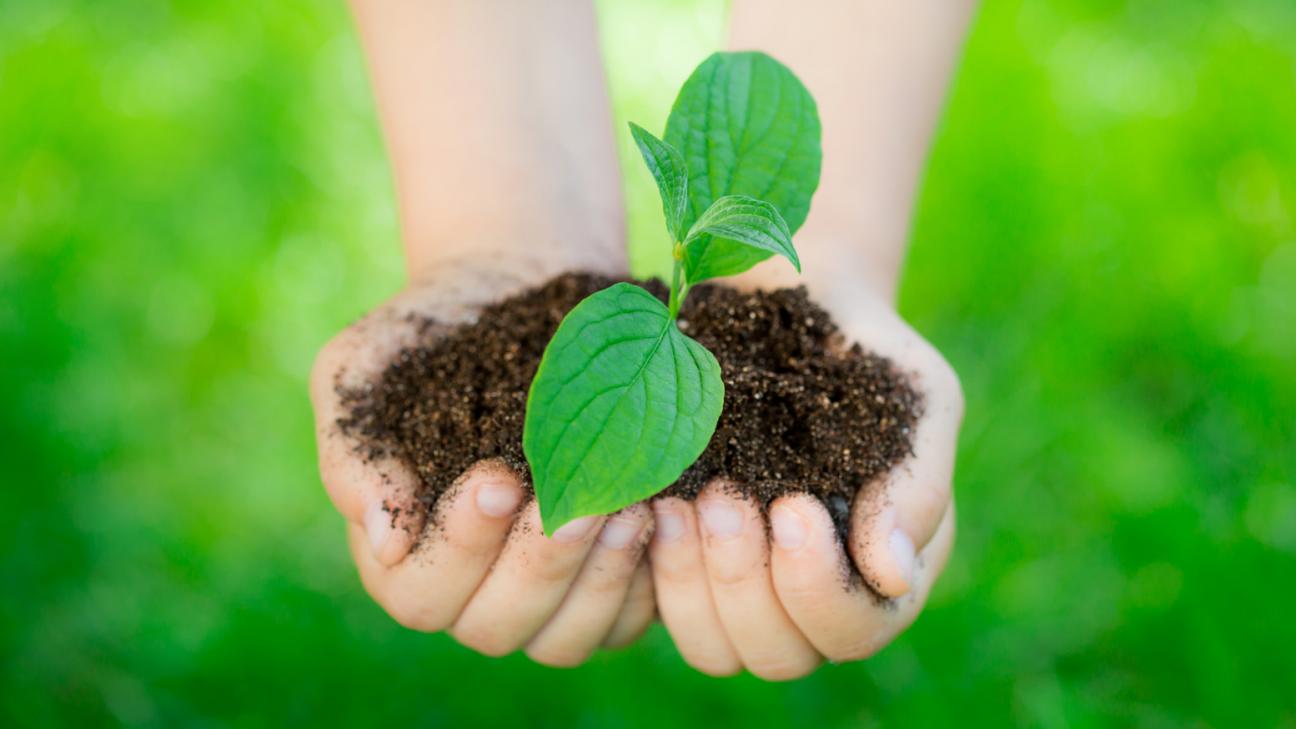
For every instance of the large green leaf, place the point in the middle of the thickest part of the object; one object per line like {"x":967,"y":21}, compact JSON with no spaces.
{"x":755,"y":224}
{"x":622,"y":403}
{"x":671,"y":174}
{"x":745,"y":126}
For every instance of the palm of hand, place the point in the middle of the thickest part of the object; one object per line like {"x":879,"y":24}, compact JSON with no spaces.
{"x":730,"y":597}
{"x":481,"y":568}
{"x":733,"y":598}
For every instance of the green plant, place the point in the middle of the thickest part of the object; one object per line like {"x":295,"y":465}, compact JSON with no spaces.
{"x":623,"y":401}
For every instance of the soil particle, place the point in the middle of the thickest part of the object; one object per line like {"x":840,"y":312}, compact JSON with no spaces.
{"x":803,"y":412}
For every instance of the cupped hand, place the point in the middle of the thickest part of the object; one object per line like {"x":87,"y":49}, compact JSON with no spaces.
{"x":481,"y":567}
{"x":778,"y":602}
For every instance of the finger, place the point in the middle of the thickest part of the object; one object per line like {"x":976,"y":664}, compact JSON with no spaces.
{"x":893,"y":518}
{"x":880,"y":327}
{"x":428,"y":590}
{"x":380,"y":496}
{"x":736,"y":552}
{"x":376,"y":491}
{"x":843,"y":621}
{"x":683,"y":592}
{"x":637,"y":612}
{"x":592,"y":605}
{"x":527,"y":584}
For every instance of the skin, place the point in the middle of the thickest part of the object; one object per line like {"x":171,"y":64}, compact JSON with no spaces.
{"x":779,"y":607}
{"x":528,"y":76}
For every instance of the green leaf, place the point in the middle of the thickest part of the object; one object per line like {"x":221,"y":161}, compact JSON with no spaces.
{"x":745,"y":126}
{"x":746,"y":221}
{"x":668,"y":169}
{"x":622,"y":403}
{"x":717,"y":258}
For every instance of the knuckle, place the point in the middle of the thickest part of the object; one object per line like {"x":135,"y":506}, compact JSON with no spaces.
{"x":798,"y":586}
{"x":863,"y":645}
{"x":780,"y":668}
{"x":857,"y":650}
{"x":552,"y":568}
{"x":930,"y":501}
{"x":730,"y":577}
{"x":606,"y":584}
{"x":406,"y":619}
{"x":640,"y":606}
{"x":486,"y":640}
{"x":866,"y":645}
{"x":608,"y":576}
{"x":675,"y":569}
{"x":715,"y":666}
{"x":629,"y":630}
{"x":414,"y":616}
{"x":470,"y":545}
{"x":558,"y":658}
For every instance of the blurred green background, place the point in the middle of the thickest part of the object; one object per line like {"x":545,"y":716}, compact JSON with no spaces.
{"x":194,"y":196}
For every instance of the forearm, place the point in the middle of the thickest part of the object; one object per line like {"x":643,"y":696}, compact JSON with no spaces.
{"x":879,"y":72}
{"x":497,"y":124}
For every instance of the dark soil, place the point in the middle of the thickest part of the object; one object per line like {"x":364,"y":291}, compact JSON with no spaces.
{"x":802,"y":412}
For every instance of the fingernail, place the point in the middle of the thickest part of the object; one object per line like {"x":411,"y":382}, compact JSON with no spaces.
{"x":788,"y":527}
{"x":573,"y":530}
{"x":902,"y":553}
{"x":497,"y":499}
{"x":720,"y":519}
{"x":670,"y":525}
{"x":377,"y":523}
{"x":618,"y":533}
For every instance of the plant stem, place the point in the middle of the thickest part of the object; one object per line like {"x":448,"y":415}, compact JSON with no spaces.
{"x":676,"y":290}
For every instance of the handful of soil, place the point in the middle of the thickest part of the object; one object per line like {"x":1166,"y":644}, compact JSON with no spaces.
{"x":803,"y":412}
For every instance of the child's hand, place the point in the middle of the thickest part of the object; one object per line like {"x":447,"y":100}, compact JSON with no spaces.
{"x":482,"y":569}
{"x":777,"y":602}
{"x":497,"y":122}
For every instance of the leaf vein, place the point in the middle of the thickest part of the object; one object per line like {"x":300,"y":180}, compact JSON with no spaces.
{"x":595,"y":439}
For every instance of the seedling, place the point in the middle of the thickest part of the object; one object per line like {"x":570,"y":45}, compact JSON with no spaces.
{"x":623,"y":401}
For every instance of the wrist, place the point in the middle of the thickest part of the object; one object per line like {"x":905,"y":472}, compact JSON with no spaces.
{"x":527,"y":259}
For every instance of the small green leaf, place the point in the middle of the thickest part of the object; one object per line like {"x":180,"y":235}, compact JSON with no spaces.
{"x":743,"y":220}
{"x":670,"y":172}
{"x":715,"y":258}
{"x":745,"y":126}
{"x":622,"y":403}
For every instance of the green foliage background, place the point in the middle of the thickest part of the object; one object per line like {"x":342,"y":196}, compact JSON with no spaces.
{"x":193,"y":196}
